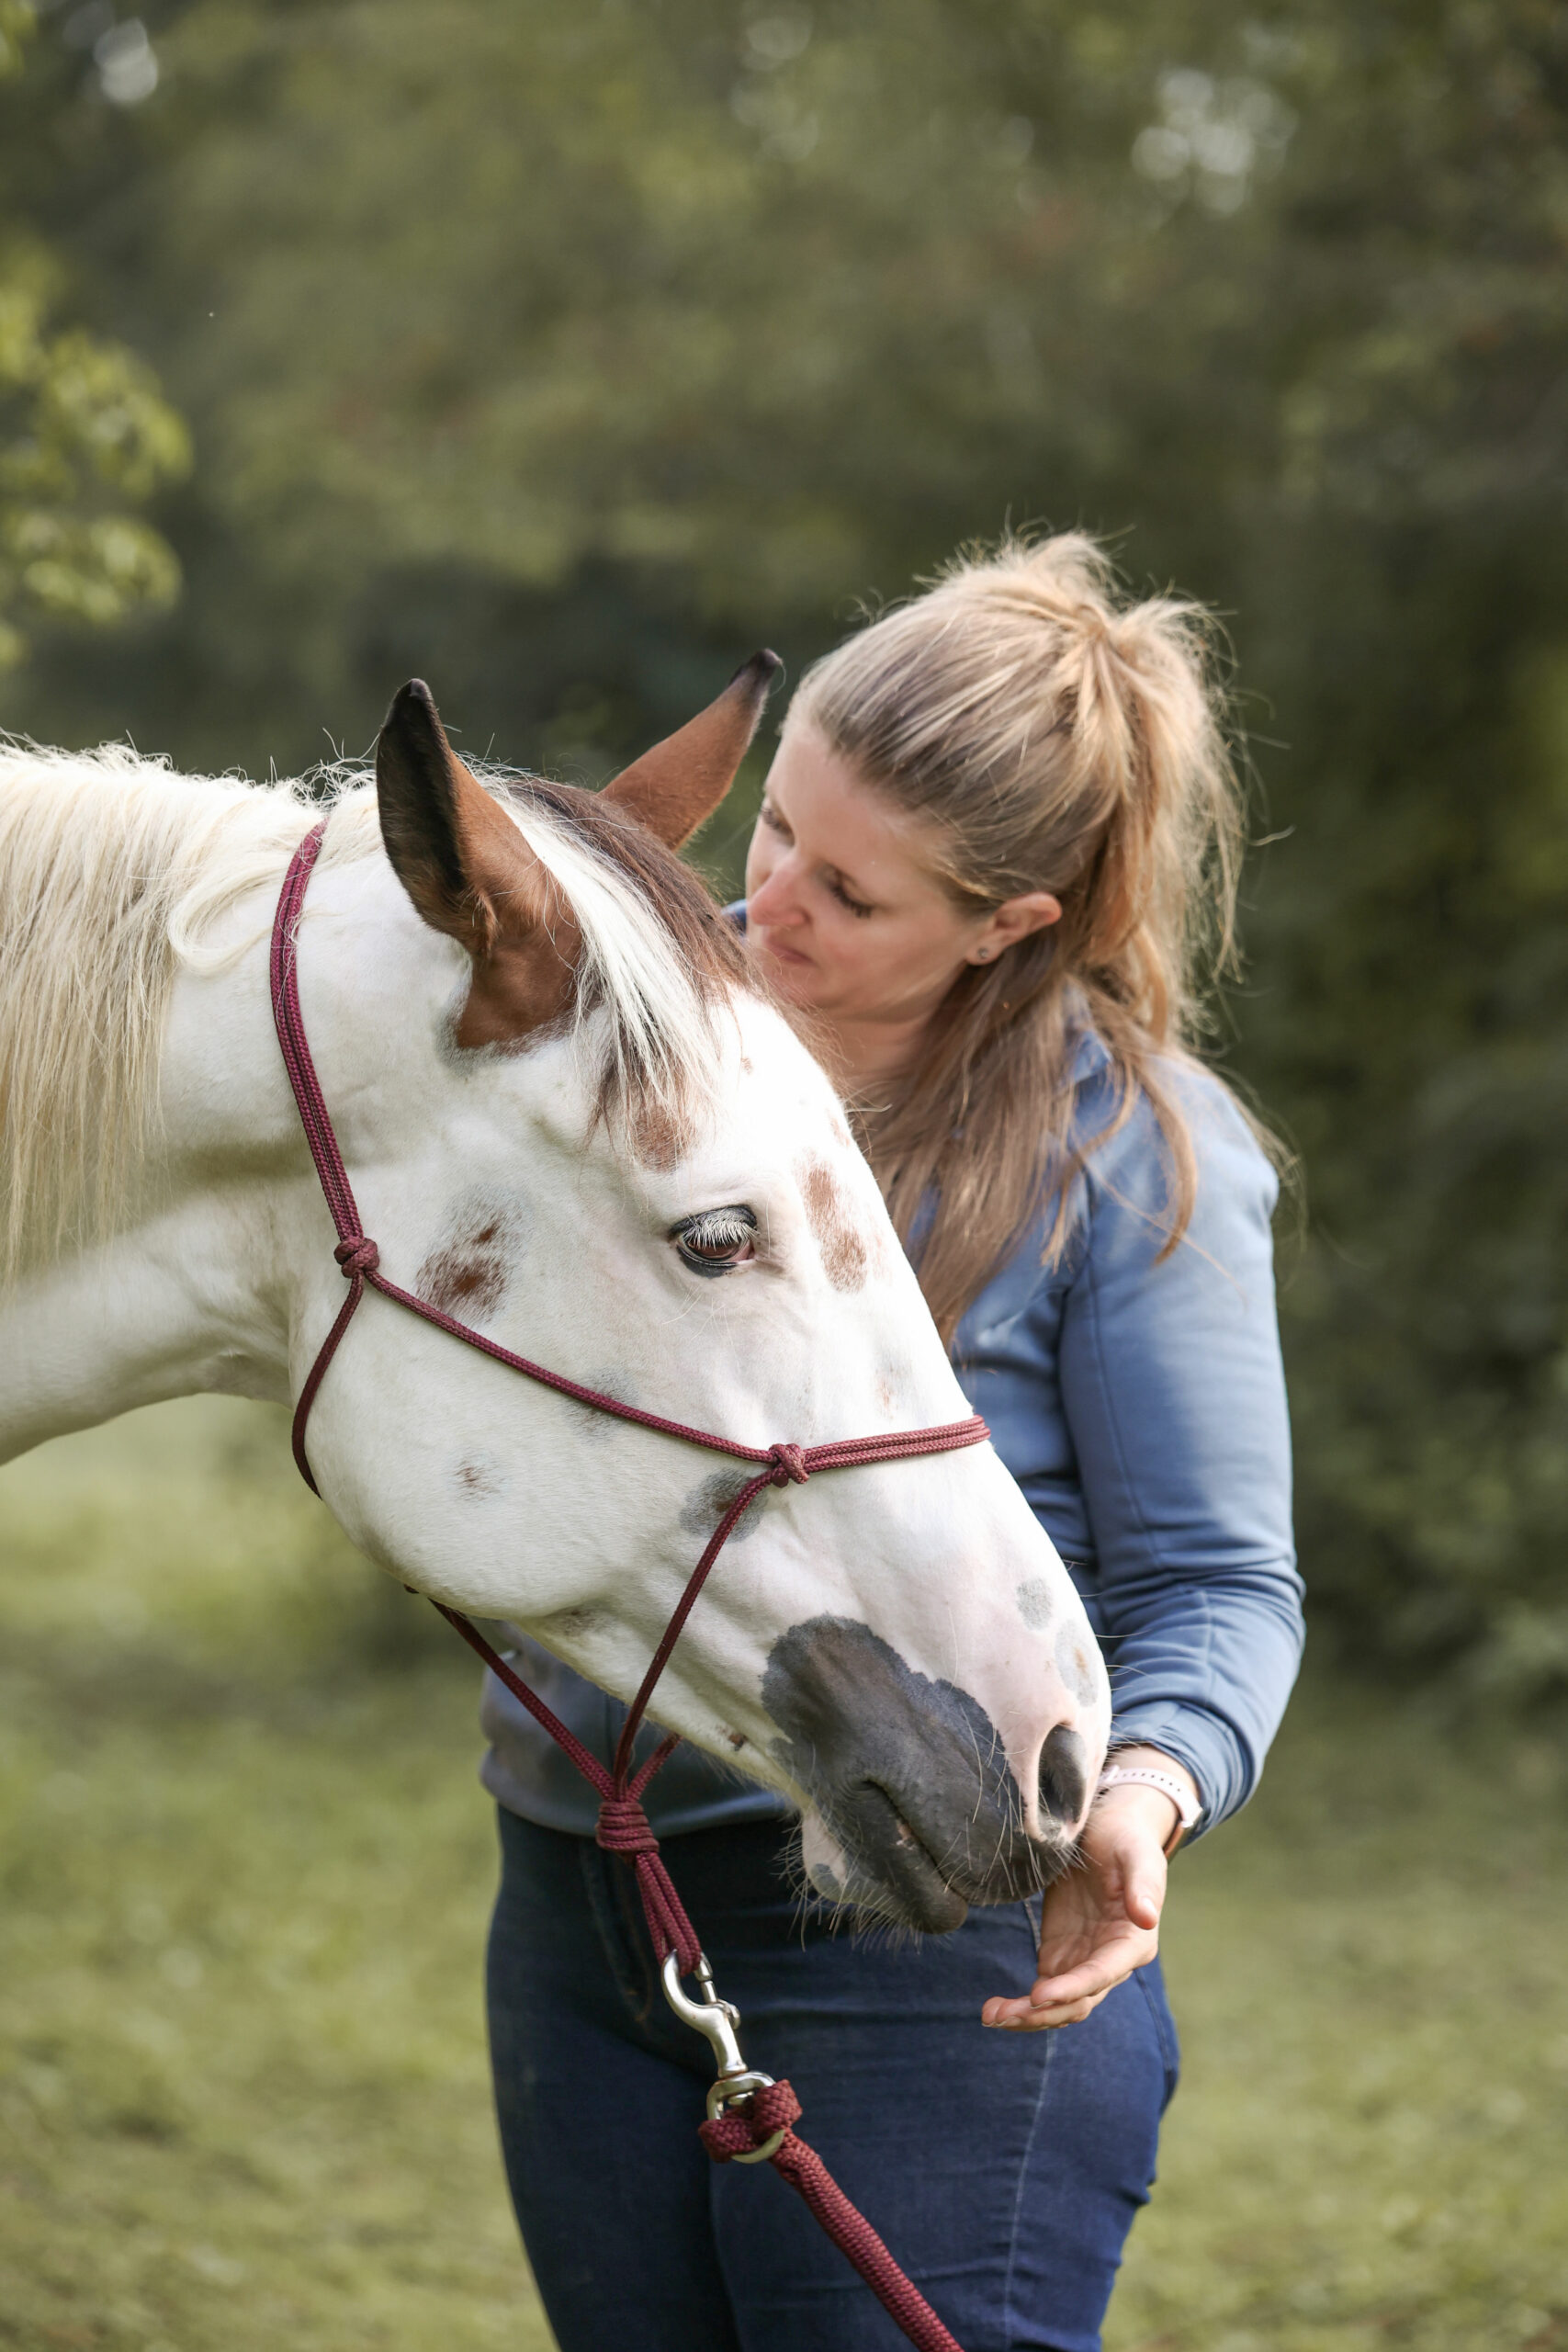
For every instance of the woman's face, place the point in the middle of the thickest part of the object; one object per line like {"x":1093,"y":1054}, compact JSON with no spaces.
{"x":843,"y":902}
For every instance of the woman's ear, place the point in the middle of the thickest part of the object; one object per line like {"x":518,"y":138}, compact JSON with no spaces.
{"x":1014,"y":920}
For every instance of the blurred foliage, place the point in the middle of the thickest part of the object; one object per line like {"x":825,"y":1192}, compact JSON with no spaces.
{"x":561,"y":356}
{"x":82,"y":430}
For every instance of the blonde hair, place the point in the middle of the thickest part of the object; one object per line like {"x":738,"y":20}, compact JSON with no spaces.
{"x":1056,"y":738}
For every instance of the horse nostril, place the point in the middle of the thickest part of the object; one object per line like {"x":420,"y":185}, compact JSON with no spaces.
{"x":1064,"y":1774}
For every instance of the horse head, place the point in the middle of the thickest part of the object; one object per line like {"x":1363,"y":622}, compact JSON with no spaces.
{"x":593,"y":1139}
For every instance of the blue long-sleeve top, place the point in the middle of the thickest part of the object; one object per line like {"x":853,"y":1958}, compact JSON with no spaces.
{"x":1140,"y":1403}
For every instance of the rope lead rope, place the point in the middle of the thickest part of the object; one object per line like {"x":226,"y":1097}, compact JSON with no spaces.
{"x":751,"y":2117}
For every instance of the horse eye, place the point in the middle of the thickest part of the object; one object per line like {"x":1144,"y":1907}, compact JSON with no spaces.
{"x":716,"y":1239}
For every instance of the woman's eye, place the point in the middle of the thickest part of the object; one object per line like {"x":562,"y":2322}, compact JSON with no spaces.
{"x":718,"y":1239}
{"x":846,"y":897}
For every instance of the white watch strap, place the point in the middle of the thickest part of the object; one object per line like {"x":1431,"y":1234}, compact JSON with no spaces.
{"x":1188,"y":1813}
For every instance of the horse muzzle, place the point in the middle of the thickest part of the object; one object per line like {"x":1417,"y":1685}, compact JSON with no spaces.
{"x":911,"y":1782}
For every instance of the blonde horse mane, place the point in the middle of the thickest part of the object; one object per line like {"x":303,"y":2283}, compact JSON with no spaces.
{"x":113,"y":870}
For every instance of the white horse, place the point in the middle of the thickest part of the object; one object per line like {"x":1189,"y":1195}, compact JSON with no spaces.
{"x":572,"y":1120}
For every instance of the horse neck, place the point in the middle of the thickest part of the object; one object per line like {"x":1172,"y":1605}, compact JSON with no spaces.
{"x":187,"y":1297}
{"x":200,"y":1294}
{"x":158,"y":1313}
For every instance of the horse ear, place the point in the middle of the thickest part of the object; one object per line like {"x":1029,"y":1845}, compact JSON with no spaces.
{"x":470,"y":873}
{"x":672,"y":787}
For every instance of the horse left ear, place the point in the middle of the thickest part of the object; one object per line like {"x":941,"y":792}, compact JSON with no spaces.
{"x":680,"y":781}
{"x":470,"y":873}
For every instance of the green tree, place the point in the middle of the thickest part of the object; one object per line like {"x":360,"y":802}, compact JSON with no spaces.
{"x":84,"y":435}
{"x":563,"y":354}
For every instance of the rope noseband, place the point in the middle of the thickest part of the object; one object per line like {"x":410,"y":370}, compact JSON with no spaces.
{"x":750,"y":2116}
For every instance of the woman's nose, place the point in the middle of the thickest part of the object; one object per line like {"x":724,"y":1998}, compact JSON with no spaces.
{"x":774,"y":902}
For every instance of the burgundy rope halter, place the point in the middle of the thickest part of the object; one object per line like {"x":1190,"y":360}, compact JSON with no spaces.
{"x":750,"y":2116}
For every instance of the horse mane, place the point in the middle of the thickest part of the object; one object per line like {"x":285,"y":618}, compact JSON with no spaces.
{"x":114,"y":870}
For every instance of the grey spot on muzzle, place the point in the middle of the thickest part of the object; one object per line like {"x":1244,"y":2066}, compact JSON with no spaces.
{"x":573,"y":1623}
{"x":1075,"y":1665}
{"x":908,"y":1773}
{"x":597,"y":1425}
{"x":1036,"y":1605}
{"x":707,"y":1504}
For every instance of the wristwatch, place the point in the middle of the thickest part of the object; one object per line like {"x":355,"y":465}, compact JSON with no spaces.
{"x":1189,"y":1813}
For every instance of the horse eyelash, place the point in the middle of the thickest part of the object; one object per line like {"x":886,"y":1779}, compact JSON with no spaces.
{"x":725,"y":1228}
{"x":722,"y":1228}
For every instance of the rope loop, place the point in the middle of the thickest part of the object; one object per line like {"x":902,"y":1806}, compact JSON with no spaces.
{"x":750,"y":2123}
{"x":357,"y":1256}
{"x":623,"y":1827}
{"x":789,"y":1465}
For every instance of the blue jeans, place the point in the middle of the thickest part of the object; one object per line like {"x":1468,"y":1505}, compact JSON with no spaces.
{"x":1002,"y":2170}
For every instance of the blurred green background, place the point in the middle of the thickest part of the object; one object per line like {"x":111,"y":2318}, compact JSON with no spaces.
{"x":561,"y":356}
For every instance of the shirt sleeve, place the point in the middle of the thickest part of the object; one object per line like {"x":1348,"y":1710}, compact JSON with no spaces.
{"x":1174,"y":1399}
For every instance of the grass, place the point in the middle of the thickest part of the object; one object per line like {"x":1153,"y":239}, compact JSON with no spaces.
{"x":243,"y":1875}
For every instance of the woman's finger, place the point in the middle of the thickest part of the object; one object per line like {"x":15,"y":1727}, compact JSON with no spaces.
{"x":1082,"y":1984}
{"x":1022,"y":2017}
{"x":1109,"y":1967}
{"x":1053,"y":1997}
{"x":1145,"y":1898}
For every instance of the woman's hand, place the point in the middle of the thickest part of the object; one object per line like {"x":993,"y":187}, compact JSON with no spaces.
{"x":1101,"y":1919}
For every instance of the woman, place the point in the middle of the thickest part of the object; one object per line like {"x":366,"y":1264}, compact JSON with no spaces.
{"x":999,"y":825}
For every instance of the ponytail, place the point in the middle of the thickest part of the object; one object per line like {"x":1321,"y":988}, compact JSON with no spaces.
{"x":1057,"y":741}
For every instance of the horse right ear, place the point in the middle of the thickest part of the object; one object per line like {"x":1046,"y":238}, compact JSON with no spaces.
{"x":677,"y":785}
{"x":470,"y":873}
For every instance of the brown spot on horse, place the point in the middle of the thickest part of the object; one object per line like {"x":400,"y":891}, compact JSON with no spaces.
{"x":478,"y":1478}
{"x":831,"y":1219}
{"x":660,"y":1137}
{"x":1075,"y":1666}
{"x":467,"y":1278}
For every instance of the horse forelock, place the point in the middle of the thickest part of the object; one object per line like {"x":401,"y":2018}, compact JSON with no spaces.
{"x":660,"y":960}
{"x":114,"y":871}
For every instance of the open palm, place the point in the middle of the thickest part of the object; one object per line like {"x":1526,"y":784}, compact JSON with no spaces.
{"x":1100,"y":1920}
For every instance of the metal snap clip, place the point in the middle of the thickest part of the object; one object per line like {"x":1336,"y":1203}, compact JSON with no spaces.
{"x":717,"y":2022}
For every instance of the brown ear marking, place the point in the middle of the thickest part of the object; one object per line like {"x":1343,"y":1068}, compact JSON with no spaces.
{"x":682,"y":780}
{"x":470,"y":873}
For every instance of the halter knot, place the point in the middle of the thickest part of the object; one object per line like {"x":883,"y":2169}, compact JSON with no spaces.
{"x":789,"y":1464}
{"x":750,"y":2123}
{"x":357,"y":1256}
{"x":623,"y":1829}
